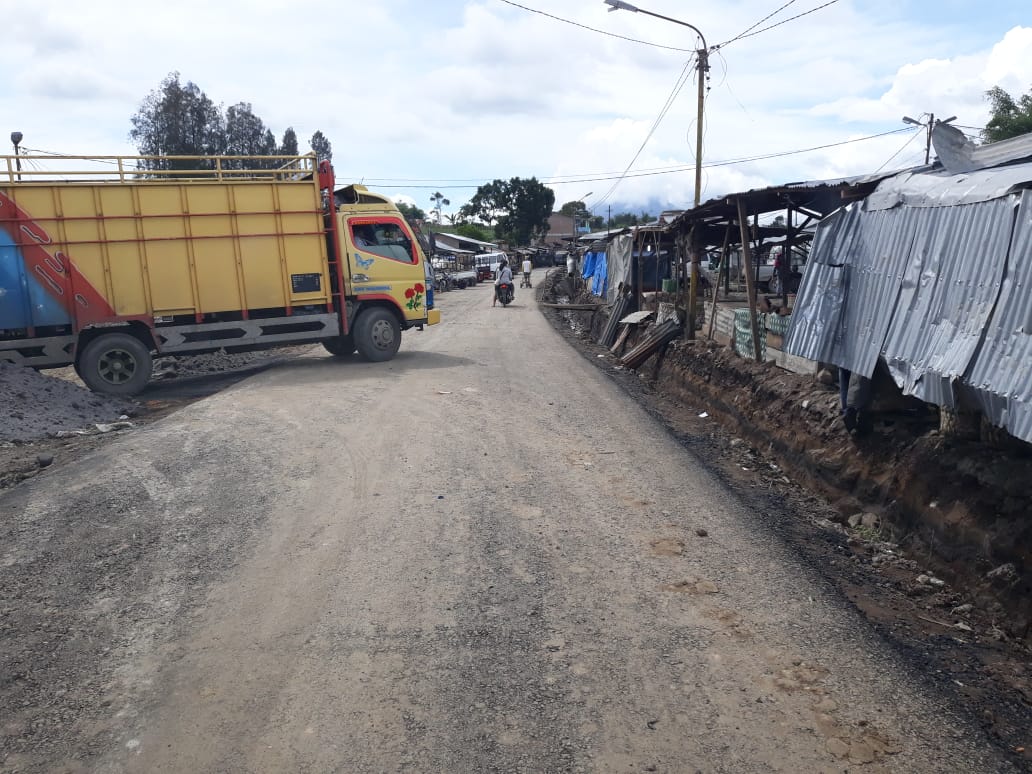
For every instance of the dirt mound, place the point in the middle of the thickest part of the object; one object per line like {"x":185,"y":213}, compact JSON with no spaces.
{"x":35,"y":405}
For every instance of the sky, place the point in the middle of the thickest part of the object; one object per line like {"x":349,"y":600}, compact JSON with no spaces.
{"x":421,"y":97}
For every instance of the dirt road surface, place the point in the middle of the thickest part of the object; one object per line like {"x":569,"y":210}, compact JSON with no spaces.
{"x":478,"y":557}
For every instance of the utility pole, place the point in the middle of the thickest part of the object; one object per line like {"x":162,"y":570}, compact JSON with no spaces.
{"x":928,"y":139}
{"x":702,"y":65}
{"x":928,"y":128}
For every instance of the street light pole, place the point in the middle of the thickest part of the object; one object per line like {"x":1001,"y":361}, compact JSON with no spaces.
{"x":702,"y":66}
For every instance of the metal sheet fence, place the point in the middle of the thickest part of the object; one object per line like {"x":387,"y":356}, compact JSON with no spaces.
{"x":941,"y":293}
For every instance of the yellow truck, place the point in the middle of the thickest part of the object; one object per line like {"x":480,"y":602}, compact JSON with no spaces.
{"x":111,"y":261}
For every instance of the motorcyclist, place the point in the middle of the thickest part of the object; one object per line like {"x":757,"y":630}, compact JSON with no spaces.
{"x":503,"y":276}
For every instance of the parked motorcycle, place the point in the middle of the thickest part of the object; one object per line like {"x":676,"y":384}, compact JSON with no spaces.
{"x":506,"y":293}
{"x":442,"y":281}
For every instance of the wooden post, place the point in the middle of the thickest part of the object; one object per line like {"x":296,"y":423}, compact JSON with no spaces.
{"x":720,"y":272}
{"x":785,"y":270}
{"x":750,"y":285}
{"x":693,"y":286}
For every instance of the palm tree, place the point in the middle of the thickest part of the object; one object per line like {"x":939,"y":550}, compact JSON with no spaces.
{"x":438,"y":199}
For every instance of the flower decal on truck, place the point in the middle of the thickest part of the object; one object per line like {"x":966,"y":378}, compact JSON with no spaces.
{"x":415,"y":296}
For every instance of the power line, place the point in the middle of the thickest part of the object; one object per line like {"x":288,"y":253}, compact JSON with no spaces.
{"x":890,"y":158}
{"x":593,"y":177}
{"x":772,"y":26}
{"x":592,"y":29}
{"x":682,"y":79}
{"x":757,"y":24}
{"x":603,"y":177}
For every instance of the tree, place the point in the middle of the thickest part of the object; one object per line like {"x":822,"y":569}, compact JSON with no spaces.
{"x":177,"y":120}
{"x":519,"y":208}
{"x":572,"y":208}
{"x":321,"y":146}
{"x":438,"y":199}
{"x":410,"y":211}
{"x":1007,"y":118}
{"x":472,"y":231}
{"x":247,"y":135}
{"x":289,"y":145}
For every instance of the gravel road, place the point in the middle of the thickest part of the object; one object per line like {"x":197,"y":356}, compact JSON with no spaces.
{"x":479,"y":557}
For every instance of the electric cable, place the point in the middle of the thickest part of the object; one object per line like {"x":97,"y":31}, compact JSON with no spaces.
{"x":757,"y":24}
{"x":772,"y":26}
{"x":592,"y":29}
{"x":890,"y":158}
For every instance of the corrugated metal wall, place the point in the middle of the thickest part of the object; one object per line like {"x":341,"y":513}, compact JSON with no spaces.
{"x":939,"y":292}
{"x":1000,"y":378}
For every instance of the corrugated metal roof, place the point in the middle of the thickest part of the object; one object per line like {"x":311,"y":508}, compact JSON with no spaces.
{"x":959,"y":154}
{"x":942,"y":189}
{"x":939,"y":292}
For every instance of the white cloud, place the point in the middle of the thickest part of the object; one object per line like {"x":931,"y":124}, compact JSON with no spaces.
{"x":459,"y":92}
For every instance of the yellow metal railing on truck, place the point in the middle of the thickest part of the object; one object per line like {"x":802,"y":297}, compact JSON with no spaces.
{"x":28,"y":169}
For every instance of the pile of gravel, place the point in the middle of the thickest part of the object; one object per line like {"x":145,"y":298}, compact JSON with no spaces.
{"x":34,"y":405}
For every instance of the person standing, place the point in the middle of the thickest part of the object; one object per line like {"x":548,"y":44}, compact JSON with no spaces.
{"x":527,"y":268}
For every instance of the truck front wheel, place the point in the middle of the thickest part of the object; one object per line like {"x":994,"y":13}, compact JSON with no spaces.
{"x":116,"y":364}
{"x":377,"y":334}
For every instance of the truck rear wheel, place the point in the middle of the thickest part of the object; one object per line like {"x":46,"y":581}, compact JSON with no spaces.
{"x":115,"y":364}
{"x":340,"y":346}
{"x":377,"y":334}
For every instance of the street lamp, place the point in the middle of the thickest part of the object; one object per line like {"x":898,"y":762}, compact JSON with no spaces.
{"x":16,"y":138}
{"x":702,"y":66}
{"x":581,"y":211}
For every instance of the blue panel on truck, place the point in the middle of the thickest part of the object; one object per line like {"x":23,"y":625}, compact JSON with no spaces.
{"x":23,"y":301}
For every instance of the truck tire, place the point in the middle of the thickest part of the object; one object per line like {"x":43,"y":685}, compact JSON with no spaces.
{"x":340,"y":346}
{"x":115,"y":364}
{"x":377,"y":334}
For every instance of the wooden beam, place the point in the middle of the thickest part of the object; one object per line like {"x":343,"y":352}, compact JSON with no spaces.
{"x":750,"y":285}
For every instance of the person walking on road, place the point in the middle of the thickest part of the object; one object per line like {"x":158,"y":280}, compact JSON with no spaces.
{"x":527,"y":268}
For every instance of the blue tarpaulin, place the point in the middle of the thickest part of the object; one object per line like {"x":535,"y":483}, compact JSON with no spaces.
{"x":599,"y":277}
{"x":588,"y":266}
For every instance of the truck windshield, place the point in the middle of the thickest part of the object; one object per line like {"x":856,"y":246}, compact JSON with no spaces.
{"x":386,"y":239}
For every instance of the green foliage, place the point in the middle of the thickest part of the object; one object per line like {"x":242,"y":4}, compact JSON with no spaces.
{"x":321,"y":147}
{"x":289,"y":145}
{"x":246,"y":134}
{"x":519,"y":208}
{"x":177,"y":120}
{"x":472,"y":231}
{"x":411,"y":211}
{"x":438,"y":199}
{"x":1007,"y":117}
{"x":572,"y":208}
{"x":180,"y":120}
